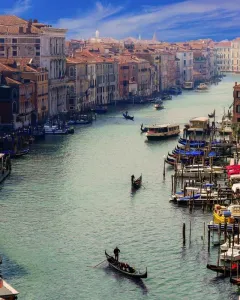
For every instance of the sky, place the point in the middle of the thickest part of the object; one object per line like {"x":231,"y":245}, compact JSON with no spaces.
{"x":171,"y":20}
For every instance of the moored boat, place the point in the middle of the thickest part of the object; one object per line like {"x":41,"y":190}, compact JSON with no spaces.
{"x":54,"y":129}
{"x":158,"y":106}
{"x":5,"y":166}
{"x":225,"y":270}
{"x":100,"y":110}
{"x":125,"y":268}
{"x":221,"y":214}
{"x":157,"y":132}
{"x":144,"y":129}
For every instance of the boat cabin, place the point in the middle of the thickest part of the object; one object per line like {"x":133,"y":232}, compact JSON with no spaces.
{"x":162,"y":131}
{"x":7,"y":292}
{"x":235,"y":210}
{"x":200,"y":124}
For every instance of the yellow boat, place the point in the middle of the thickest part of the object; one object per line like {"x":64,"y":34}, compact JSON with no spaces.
{"x":221,"y":214}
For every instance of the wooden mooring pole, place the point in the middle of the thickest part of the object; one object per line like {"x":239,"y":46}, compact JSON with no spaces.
{"x":184,"y":234}
{"x":209,"y":238}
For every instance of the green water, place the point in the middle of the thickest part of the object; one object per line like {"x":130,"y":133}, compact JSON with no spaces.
{"x":70,"y":199}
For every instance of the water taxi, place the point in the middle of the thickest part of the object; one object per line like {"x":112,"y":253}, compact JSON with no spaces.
{"x":157,"y":132}
{"x":222,"y":214}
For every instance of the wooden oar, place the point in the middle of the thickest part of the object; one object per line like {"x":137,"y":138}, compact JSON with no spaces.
{"x":98,"y":264}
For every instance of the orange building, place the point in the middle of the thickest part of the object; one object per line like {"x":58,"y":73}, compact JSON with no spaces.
{"x":236,"y":103}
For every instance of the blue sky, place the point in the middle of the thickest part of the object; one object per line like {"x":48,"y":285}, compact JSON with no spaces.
{"x":172,"y":20}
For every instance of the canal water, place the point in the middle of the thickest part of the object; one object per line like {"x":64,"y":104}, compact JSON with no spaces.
{"x":70,"y":199}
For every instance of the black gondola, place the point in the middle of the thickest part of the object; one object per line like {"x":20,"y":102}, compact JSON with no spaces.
{"x":144,"y":129}
{"x":136,"y":184}
{"x":120,"y":267}
{"x":127,"y":117}
{"x":225,"y":270}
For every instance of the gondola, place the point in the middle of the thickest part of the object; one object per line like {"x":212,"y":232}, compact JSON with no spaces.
{"x":136,"y":184}
{"x":144,"y":129}
{"x":235,"y":280}
{"x":126,"y":271}
{"x":127,"y":117}
{"x":225,"y":270}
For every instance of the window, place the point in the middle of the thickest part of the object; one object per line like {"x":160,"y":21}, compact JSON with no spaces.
{"x":71,"y":71}
{"x":38,"y":41}
{"x":14,"y":53}
{"x":1,"y":48}
{"x":2,"y":41}
{"x":238,"y":109}
{"x":38,"y":47}
{"x":37,"y":53}
{"x":238,"y":94}
{"x":184,"y":62}
{"x":14,"y":41}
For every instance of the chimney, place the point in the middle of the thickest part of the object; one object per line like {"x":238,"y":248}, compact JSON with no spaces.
{"x":21,"y":29}
{"x":235,"y":83}
{"x":29,"y":26}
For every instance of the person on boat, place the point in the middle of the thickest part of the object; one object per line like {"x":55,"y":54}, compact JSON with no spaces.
{"x":116,"y":252}
{"x":132,"y":178}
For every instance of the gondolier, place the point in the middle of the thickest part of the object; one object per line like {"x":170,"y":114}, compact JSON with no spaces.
{"x":116,"y":252}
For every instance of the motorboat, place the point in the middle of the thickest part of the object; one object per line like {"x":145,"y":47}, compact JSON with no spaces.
{"x":54,"y":129}
{"x":202,"y":87}
{"x":198,"y":125}
{"x":221,"y":214}
{"x":158,"y":106}
{"x":156,"y":132}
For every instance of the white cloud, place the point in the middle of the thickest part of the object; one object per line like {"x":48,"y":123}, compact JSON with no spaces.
{"x":19,"y":7}
{"x":171,"y":21}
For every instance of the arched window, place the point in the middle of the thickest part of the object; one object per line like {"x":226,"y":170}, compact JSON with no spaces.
{"x":71,"y":71}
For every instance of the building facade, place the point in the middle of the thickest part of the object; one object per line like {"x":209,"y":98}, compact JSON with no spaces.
{"x":236,"y":103}
{"x":223,"y":57}
{"x":185,"y":65}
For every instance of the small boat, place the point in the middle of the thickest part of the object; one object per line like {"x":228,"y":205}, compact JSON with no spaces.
{"x":70,"y":129}
{"x":121,"y":267}
{"x":225,"y":270}
{"x":157,"y":132}
{"x":166,"y":97}
{"x":221,"y":214}
{"x":100,"y":110}
{"x":136,"y":184}
{"x":5,"y":166}
{"x":55,"y":130}
{"x":127,"y":117}
{"x":188,"y":85}
{"x":79,"y":122}
{"x":202,"y":87}
{"x":158,"y":106}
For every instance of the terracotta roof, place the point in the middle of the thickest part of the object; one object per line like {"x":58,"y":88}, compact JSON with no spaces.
{"x":4,"y":67}
{"x":223,"y":44}
{"x":11,"y":24}
{"x":10,"y":81}
{"x":21,"y":61}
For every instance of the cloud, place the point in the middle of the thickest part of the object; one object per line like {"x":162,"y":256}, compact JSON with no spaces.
{"x":193,"y":17}
{"x":19,"y":7}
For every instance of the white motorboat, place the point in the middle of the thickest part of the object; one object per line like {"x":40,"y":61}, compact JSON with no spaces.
{"x":54,"y":129}
{"x":202,"y":87}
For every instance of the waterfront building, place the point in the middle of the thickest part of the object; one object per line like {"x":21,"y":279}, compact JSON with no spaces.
{"x":186,"y":66}
{"x":44,"y":45}
{"x":40,"y":78}
{"x":21,"y":96}
{"x":235,"y":49}
{"x":236,"y":103}
{"x":81,"y":74}
{"x":168,"y":70}
{"x":223,"y":56}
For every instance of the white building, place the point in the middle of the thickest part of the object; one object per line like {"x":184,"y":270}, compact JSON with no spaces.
{"x":54,"y":59}
{"x":223,"y":57}
{"x":185,"y":65}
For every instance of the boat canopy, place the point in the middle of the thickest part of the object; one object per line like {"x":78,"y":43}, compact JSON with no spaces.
{"x":236,"y":187}
{"x":189,"y":153}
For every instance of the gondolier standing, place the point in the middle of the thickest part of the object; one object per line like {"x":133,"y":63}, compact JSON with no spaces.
{"x":116,"y":252}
